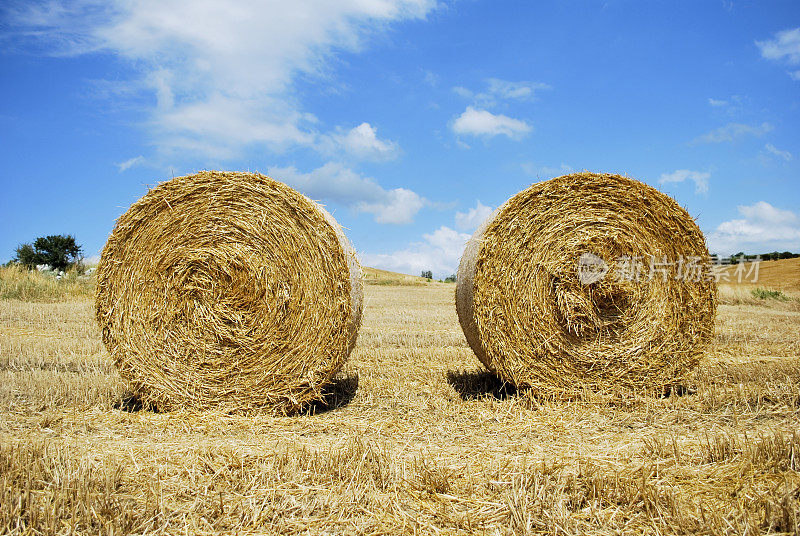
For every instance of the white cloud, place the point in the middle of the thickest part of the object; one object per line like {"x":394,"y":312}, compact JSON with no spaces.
{"x":765,"y":212}
{"x":220,"y":126}
{"x":471,"y":219}
{"x":398,"y":206}
{"x":439,"y":251}
{"x":222,"y":73}
{"x":127,"y":164}
{"x":763,"y":228}
{"x":361,"y":142}
{"x":784,"y":46}
{"x":717,"y":102}
{"x":786,"y":155}
{"x":732,"y":132}
{"x":336,"y":183}
{"x":700,"y":179}
{"x":477,"y":122}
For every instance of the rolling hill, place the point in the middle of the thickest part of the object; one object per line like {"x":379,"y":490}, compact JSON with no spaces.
{"x":375,"y":276}
{"x":783,"y":274}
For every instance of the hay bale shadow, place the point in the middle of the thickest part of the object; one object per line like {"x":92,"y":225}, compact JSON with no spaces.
{"x":475,"y":384}
{"x":678,"y":390}
{"x":132,"y":403}
{"x":337,"y":394}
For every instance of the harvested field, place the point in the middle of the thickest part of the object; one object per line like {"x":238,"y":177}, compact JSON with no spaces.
{"x":781,"y":275}
{"x":417,"y":438}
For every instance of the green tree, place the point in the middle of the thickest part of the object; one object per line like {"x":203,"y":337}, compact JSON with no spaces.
{"x":27,"y":256}
{"x":59,"y":251}
{"x":427,"y":274}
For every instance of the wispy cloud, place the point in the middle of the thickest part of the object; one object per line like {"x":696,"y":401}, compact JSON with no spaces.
{"x":785,"y":155}
{"x":430,"y":78}
{"x":699,"y":178}
{"x":549,"y":171}
{"x":784,"y":47}
{"x":732,"y":132}
{"x":501,"y":90}
{"x":762,"y":228}
{"x":127,"y":164}
{"x":505,"y":89}
{"x":336,"y":183}
{"x":483,"y":123}
{"x":463,"y":92}
{"x":222,"y":80}
{"x":532,"y":170}
{"x":732,"y":105}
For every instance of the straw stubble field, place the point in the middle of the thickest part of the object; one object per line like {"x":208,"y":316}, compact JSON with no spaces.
{"x":417,"y":439}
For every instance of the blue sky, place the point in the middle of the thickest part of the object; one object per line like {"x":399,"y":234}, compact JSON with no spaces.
{"x":409,"y":119}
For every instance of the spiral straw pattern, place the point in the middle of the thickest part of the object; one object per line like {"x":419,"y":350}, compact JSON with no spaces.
{"x":228,"y":290}
{"x":587,"y":281}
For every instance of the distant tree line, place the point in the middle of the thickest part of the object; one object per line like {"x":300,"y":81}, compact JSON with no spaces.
{"x":60,"y":252}
{"x":428,"y":274}
{"x":741,"y":256}
{"x":774,"y":256}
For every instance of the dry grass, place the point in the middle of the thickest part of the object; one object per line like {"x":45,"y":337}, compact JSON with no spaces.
{"x":756,"y":295}
{"x":415,"y":438}
{"x":228,"y":289}
{"x":778,"y":285}
{"x":18,"y":283}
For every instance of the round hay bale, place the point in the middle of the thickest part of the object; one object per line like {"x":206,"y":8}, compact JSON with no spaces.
{"x":228,"y":290}
{"x":547,"y":298}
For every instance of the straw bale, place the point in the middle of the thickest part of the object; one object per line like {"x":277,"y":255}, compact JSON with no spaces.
{"x":555,"y":290}
{"x":228,"y":290}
